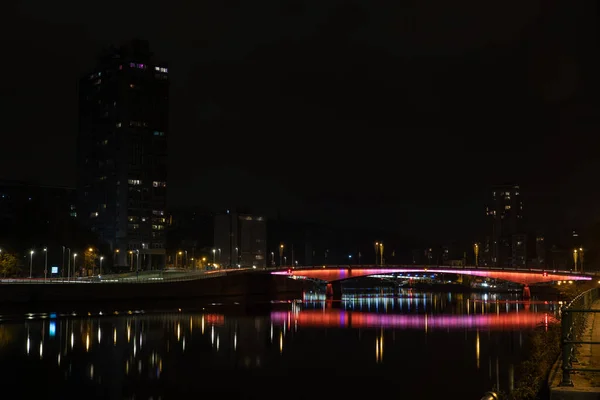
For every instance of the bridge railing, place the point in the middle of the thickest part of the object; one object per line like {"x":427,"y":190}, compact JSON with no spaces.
{"x":430,"y":268}
{"x":573,"y":319}
{"x":122,"y":280}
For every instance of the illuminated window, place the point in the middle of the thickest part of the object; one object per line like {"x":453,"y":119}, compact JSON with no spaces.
{"x":158,"y":227}
{"x":159,"y":133}
{"x":135,"y":182}
{"x":118,"y":124}
{"x":507,"y":207}
{"x":158,"y":212}
{"x":157,"y":184}
{"x":94,"y":214}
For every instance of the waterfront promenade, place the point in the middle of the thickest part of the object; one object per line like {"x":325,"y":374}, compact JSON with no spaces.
{"x":586,"y":385}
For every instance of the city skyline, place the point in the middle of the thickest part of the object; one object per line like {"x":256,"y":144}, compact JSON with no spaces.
{"x":418,"y":163}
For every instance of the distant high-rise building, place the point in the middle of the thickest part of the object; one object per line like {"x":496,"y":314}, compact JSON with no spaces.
{"x":240,"y":239}
{"x":505,"y":212}
{"x":540,"y":251}
{"x":122,"y":149}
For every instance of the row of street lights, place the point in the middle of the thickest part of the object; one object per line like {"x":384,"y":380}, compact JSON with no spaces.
{"x":45,"y":250}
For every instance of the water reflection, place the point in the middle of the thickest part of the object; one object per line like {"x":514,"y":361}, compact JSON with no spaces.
{"x":153,"y":355}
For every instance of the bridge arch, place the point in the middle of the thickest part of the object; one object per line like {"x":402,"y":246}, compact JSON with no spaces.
{"x":524,"y":277}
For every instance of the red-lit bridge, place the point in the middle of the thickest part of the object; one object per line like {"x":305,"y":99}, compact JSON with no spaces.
{"x":526,"y":277}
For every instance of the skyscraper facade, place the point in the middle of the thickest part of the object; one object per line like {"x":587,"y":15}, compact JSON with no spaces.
{"x":122,"y":149}
{"x":505,"y":214}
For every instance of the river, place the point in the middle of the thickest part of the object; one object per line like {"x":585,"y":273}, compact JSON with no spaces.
{"x":413,"y":344}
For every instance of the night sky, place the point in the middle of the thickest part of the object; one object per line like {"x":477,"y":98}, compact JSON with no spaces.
{"x":351,"y":113}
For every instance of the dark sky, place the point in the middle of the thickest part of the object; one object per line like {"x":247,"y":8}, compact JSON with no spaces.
{"x":358,"y":113}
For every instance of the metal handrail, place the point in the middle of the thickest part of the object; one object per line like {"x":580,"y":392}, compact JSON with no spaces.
{"x":573,"y":317}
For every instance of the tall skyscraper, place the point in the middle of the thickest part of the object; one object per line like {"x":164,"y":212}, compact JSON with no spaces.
{"x":505,"y":213}
{"x":122,"y":149}
{"x":240,"y":239}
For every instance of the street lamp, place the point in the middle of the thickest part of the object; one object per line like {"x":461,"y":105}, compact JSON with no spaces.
{"x":137,"y":266}
{"x":214,"y":257}
{"x":45,"y":263}
{"x":101,"y":258}
{"x":476,"y":251}
{"x":581,"y":259}
{"x":69,"y":264}
{"x":575,"y":260}
{"x":74,"y":264}
{"x":31,"y":263}
{"x":281,"y":246}
{"x":376,"y":252}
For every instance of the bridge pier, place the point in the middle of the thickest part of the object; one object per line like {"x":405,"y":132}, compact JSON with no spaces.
{"x":526,"y":292}
{"x":334,"y":290}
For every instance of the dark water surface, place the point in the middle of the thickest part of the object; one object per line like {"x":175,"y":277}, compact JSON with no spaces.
{"x":413,"y":345}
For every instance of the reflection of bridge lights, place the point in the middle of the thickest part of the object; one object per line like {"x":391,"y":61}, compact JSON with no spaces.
{"x":28,"y":344}
{"x":115,"y":336}
{"x":72,"y":340}
{"x":128,"y":333}
{"x":235,"y":341}
{"x":358,"y":319}
{"x":87,"y":342}
{"x":178,"y":332}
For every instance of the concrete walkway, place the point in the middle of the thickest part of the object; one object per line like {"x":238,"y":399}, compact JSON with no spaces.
{"x":586,"y":385}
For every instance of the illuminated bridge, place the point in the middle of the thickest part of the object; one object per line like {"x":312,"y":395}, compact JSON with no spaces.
{"x":333,"y":275}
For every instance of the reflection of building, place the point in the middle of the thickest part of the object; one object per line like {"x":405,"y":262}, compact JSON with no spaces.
{"x":240,"y":239}
{"x":123,"y":123}
{"x":505,"y":211}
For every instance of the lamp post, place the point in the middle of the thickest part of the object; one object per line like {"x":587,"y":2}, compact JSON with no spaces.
{"x":381,"y":253}
{"x":101,"y":258}
{"x":281,"y":246}
{"x":575,"y":260}
{"x":31,"y":263}
{"x":476,"y":251}
{"x":581,"y":259}
{"x":74,"y":264}
{"x":137,"y":266}
{"x":45,"y":263}
{"x":181,"y":254}
{"x":376,"y":252}
{"x":237,"y":257}
{"x":214,"y":257}
{"x":62,"y":263}
{"x":69,"y":264}
{"x":91,"y":258}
